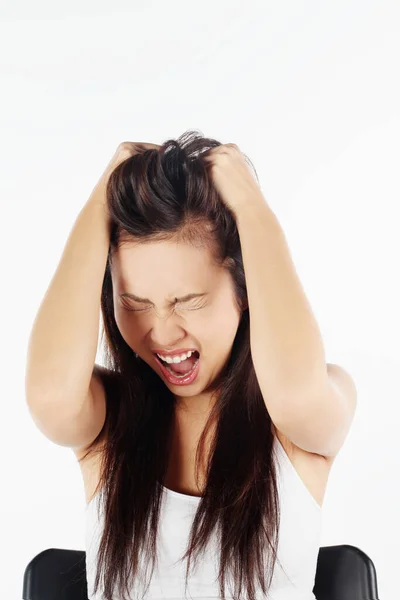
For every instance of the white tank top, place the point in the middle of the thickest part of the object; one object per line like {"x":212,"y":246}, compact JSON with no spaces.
{"x":298,"y":546}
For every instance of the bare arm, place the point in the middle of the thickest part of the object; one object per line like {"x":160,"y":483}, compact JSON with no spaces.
{"x":63,"y":386}
{"x":63,"y":342}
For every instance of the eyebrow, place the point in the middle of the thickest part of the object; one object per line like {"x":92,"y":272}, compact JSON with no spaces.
{"x":144,"y":300}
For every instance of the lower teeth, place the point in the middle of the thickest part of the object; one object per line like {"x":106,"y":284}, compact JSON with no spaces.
{"x":181,"y":376}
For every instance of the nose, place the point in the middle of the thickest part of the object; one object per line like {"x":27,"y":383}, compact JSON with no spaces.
{"x":166,"y":332}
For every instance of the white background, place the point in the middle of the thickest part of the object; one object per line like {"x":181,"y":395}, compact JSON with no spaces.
{"x":310,"y":92}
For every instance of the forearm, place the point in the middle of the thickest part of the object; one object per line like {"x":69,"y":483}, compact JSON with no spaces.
{"x":286,"y":344}
{"x":63,"y":342}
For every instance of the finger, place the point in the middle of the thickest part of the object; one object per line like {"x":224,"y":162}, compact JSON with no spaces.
{"x":234,"y":146}
{"x":148,"y":146}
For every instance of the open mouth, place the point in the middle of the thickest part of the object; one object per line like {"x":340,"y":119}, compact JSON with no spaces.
{"x":181,"y":369}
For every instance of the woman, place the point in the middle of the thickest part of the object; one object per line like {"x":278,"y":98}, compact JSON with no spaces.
{"x":192,"y":444}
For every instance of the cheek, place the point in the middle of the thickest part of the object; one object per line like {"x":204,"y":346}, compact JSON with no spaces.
{"x":128,"y":326}
{"x":120,"y":319}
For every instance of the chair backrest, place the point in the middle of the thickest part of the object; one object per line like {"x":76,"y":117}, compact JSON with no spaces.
{"x":343,"y":573}
{"x":56,"y":574}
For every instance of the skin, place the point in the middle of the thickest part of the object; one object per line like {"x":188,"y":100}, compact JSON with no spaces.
{"x":161,"y":271}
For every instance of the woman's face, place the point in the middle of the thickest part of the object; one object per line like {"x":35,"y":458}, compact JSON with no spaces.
{"x":158,"y":273}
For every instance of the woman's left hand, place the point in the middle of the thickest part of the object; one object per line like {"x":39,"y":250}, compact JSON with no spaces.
{"x":232,"y":177}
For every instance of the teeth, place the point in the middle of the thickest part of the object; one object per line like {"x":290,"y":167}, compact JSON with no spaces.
{"x":176,"y":359}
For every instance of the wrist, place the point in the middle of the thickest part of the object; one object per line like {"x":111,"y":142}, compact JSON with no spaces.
{"x":254,"y":207}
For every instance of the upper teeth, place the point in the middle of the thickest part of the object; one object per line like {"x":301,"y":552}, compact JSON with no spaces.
{"x":176,"y":359}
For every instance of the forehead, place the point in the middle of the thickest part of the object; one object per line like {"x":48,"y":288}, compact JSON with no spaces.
{"x":166,"y":264}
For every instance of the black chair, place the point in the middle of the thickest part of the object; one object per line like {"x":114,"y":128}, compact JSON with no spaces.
{"x":343,"y":573}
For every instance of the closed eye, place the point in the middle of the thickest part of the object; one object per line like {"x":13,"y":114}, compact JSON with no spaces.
{"x":143,"y":309}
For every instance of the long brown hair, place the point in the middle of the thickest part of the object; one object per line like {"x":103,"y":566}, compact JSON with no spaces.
{"x":167,"y":194}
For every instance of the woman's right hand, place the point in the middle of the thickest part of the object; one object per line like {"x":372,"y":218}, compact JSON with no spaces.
{"x":125,"y":150}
